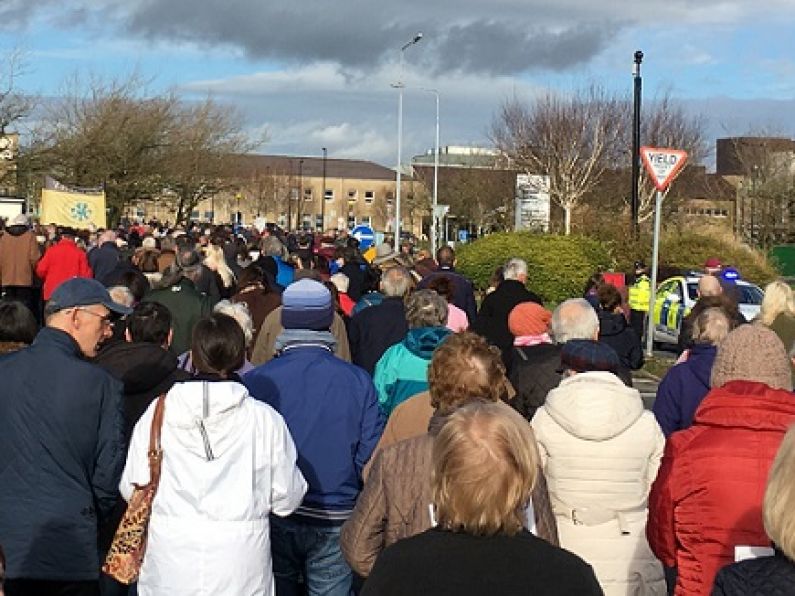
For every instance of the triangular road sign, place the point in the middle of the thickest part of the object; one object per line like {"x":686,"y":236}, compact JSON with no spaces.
{"x":663,"y":164}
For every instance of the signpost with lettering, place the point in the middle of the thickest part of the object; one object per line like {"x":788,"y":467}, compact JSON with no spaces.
{"x":662,"y":165}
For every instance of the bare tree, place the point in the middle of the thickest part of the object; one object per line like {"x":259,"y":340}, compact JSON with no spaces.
{"x":14,"y":105}
{"x":572,"y":139}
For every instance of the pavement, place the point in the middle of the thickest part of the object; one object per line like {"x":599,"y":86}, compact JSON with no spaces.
{"x":647,"y":385}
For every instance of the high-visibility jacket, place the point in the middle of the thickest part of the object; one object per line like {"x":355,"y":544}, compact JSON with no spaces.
{"x":639,"y":294}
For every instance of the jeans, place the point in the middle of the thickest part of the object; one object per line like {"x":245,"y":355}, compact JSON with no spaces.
{"x":308,"y":554}
{"x":33,"y":587}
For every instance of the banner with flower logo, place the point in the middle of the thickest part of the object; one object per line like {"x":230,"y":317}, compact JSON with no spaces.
{"x":74,"y":209}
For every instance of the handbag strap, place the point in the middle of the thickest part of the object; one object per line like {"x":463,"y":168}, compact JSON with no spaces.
{"x":155,"y":453}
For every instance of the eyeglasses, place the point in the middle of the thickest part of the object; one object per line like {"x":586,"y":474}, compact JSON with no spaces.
{"x":106,"y":319}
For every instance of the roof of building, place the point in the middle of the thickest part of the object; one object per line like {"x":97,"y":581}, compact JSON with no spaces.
{"x":312,"y":167}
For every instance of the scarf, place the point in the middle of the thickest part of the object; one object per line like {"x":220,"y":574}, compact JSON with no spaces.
{"x":532,"y":340}
{"x":290,"y":338}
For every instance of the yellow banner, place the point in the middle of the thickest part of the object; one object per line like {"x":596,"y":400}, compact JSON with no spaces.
{"x":73,"y":209}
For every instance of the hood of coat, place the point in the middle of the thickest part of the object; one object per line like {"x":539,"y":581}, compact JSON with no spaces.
{"x":611,"y":323}
{"x":748,"y":405}
{"x":140,"y":366}
{"x":699,"y":361}
{"x":595,"y":406}
{"x":16,"y":230}
{"x":206,"y":425}
{"x":422,"y":341}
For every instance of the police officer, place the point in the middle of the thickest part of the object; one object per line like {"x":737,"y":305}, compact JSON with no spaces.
{"x":638,"y":298}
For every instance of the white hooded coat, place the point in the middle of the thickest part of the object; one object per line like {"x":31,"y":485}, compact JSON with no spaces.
{"x":601,"y":451}
{"x":227,"y":464}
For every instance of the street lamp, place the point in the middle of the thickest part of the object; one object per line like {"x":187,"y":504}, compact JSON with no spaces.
{"x":323,"y":197}
{"x":399,"y":86}
{"x":300,"y":194}
{"x":637,"y":81}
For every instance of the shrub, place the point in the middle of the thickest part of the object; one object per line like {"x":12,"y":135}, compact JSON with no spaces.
{"x":557,"y":266}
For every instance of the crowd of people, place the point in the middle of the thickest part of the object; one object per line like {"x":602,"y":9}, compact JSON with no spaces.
{"x":342,"y":421}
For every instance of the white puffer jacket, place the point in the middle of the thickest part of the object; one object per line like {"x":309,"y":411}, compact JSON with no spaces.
{"x":601,"y":451}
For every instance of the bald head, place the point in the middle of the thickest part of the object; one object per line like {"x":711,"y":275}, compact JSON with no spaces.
{"x":709,"y":285}
{"x":106,"y":236}
{"x":574,"y":319}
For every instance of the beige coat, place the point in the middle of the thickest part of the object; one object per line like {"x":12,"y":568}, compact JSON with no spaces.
{"x":601,"y":451}
{"x":272,"y":327}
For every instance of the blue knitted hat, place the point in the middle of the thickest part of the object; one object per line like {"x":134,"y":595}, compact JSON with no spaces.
{"x":307,"y":304}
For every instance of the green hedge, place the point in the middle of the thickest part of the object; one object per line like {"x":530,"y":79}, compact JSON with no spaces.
{"x":558,"y":266}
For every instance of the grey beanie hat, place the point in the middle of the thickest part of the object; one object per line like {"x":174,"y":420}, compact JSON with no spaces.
{"x":752,"y":353}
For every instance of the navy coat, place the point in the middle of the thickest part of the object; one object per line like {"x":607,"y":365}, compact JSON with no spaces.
{"x":61,"y":457}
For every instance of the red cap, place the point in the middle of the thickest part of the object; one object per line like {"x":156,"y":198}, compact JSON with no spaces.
{"x":712,"y":263}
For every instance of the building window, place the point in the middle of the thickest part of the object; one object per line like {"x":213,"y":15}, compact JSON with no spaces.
{"x":365,"y":220}
{"x":369,"y":196}
{"x":352,"y":196}
{"x":194,"y":214}
{"x":329,"y":194}
{"x":351,"y":221}
{"x":307,"y":194}
{"x":208,"y":215}
{"x":282,"y":220}
{"x":389,"y":197}
{"x":294,"y":192}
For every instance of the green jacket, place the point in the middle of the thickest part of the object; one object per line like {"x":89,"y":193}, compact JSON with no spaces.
{"x":187,"y":306}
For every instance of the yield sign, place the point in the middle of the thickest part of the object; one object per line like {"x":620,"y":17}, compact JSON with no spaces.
{"x":663,"y":164}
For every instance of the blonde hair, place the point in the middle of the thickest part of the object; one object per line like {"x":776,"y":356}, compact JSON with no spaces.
{"x":778,"y":299}
{"x":779,"y":505}
{"x":711,"y":326}
{"x":214,"y":260}
{"x":484,"y":467}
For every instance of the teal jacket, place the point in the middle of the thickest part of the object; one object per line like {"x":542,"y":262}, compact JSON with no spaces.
{"x":403,"y":369}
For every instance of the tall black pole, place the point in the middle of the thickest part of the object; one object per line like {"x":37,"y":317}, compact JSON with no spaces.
{"x":323,"y":197}
{"x":298,"y":223}
{"x":638,"y":83}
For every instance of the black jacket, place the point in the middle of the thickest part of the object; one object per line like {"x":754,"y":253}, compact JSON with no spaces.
{"x":145,"y":369}
{"x":766,"y":576}
{"x":61,"y":457}
{"x":374,"y":329}
{"x":492,"y":320}
{"x":463,"y":294}
{"x":614,"y":331}
{"x":440,"y":563}
{"x":104,"y":260}
{"x":534,"y":371}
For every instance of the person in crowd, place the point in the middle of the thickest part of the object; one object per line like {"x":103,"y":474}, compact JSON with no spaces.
{"x":331,"y":409}
{"x":710,"y":294}
{"x":463,"y":292}
{"x":638,"y":297}
{"x":536,"y":369}
{"x":492,"y":319}
{"x":341,"y":281}
{"x":396,"y":497}
{"x":19,"y":253}
{"x":179,"y":294}
{"x":168,"y":253}
{"x":495,"y":279}
{"x":592,"y":285}
{"x":774,"y":574}
{"x":713,"y":266}
{"x":18,"y":326}
{"x":600,"y":451}
{"x":142,"y":362}
{"x":215,"y":261}
{"x":778,"y":311}
{"x":61,"y":446}
{"x":613,"y":328}
{"x":457,"y":319}
{"x":424,"y":263}
{"x":62,"y":261}
{"x":147,"y":264}
{"x":105,"y":257}
{"x":684,"y":386}
{"x":271,"y":248}
{"x":229,"y":461}
{"x":257,"y":295}
{"x":354,"y":267}
{"x":373,"y":330}
{"x":265,"y":348}
{"x":484,"y":466}
{"x":529,"y":324}
{"x":707,"y":498}
{"x":403,"y":369}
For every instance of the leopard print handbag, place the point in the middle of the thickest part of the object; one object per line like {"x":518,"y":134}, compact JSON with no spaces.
{"x":126,"y":554}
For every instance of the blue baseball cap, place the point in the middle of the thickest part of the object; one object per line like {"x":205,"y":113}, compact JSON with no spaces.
{"x":83,"y":291}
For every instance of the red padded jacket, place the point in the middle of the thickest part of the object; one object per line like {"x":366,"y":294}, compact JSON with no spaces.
{"x":708,"y":494}
{"x":62,"y":261}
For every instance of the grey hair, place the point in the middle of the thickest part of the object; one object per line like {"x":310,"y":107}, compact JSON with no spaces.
{"x":711,"y":326}
{"x":514,"y":268}
{"x":396,"y":281}
{"x":240,"y":313}
{"x":574,"y":319}
{"x":122,"y":295}
{"x":271,"y":246}
{"x":425,"y":308}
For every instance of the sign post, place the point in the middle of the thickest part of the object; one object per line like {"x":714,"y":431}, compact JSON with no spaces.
{"x":365,"y":235}
{"x":662,"y":165}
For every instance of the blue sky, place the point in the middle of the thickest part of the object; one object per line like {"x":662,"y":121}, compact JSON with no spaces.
{"x":316,"y":73}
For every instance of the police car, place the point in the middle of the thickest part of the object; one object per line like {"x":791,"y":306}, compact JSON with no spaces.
{"x":677,"y":295}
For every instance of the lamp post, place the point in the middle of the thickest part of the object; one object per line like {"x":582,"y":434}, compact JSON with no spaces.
{"x":323,"y":197}
{"x":635,"y":203}
{"x":300,"y":194}
{"x":399,"y":86}
{"x":435,"y":201}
